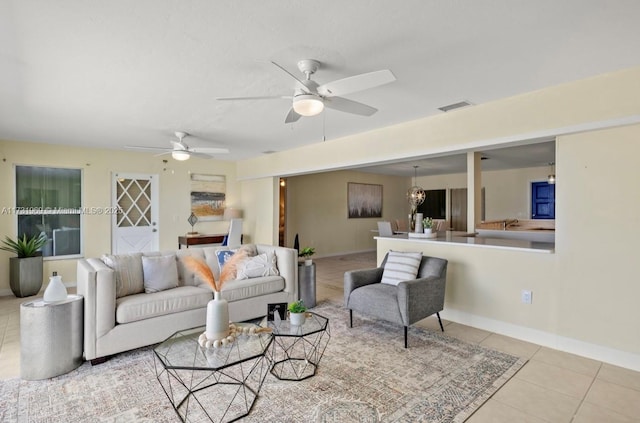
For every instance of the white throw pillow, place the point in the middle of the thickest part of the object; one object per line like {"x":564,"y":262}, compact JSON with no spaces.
{"x":260,"y":265}
{"x":160,"y":273}
{"x":401,"y":266}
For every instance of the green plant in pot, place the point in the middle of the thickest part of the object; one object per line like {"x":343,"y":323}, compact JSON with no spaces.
{"x":306,"y":253}
{"x":297,"y":313}
{"x":427,"y":225}
{"x":25,"y":270}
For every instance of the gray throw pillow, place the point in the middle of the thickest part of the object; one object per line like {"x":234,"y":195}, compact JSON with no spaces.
{"x":401,"y":266}
{"x":160,"y":273}
{"x":128,"y":273}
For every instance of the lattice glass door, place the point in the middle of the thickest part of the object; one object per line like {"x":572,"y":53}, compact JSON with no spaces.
{"x":135,"y":227}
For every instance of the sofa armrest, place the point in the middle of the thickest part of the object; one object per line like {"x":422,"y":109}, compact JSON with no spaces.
{"x":354,"y":279}
{"x":287,"y":262}
{"x":97,"y":284}
{"x":420,"y":298}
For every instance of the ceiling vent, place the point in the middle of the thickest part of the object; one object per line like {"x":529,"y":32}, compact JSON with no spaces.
{"x":458,"y":105}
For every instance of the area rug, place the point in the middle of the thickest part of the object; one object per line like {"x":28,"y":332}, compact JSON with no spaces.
{"x":365,"y":375}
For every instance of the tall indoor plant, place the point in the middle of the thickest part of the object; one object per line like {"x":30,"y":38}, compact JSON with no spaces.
{"x":25,"y":270}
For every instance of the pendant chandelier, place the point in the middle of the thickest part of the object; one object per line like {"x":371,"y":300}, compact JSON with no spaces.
{"x":415,"y":195}
{"x":551,"y":179}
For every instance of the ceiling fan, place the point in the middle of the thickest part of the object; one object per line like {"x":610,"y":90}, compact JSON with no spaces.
{"x":309,"y":99}
{"x":181,"y":151}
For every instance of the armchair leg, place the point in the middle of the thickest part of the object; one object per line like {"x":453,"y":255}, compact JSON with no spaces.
{"x":440,"y":321}
{"x":350,"y":318}
{"x":405,"y":337}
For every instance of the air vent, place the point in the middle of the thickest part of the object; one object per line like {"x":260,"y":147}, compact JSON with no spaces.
{"x":455,"y":106}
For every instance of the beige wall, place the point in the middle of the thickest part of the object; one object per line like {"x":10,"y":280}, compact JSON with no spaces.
{"x":587,"y":290}
{"x":97,"y":166}
{"x":317,"y":210}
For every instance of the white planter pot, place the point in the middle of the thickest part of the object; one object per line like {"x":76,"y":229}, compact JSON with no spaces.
{"x":427,"y":230}
{"x":297,"y":319}
{"x":308,"y":262}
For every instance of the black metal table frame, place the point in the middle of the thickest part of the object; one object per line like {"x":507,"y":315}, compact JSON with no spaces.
{"x":171,"y":371}
{"x":312,"y":355}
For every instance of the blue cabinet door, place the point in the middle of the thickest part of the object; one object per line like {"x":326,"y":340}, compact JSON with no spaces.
{"x":543,"y":200}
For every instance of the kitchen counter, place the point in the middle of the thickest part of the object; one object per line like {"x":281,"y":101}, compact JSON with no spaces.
{"x":472,"y":240}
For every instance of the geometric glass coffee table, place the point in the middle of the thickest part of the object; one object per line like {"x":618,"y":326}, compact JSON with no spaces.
{"x":215,"y":384}
{"x":296,"y":350}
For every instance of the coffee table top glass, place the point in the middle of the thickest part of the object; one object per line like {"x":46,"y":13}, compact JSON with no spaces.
{"x":182,"y":351}
{"x":313,"y":323}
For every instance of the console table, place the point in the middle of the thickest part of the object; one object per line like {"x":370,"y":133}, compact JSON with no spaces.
{"x":200,"y":239}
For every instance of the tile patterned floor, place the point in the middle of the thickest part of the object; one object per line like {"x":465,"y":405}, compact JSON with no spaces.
{"x":552,"y":387}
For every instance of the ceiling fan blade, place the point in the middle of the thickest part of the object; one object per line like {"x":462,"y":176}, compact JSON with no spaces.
{"x":290,"y":74}
{"x":292,"y":116}
{"x":163,"y":154}
{"x":355,"y":83}
{"x":209,"y":150}
{"x":201,"y":155}
{"x":349,"y":106}
{"x":268,"y":97}
{"x":139,"y":147}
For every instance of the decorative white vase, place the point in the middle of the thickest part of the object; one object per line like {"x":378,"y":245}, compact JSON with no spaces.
{"x":427,"y":230}
{"x":217,"y":318}
{"x":56,"y":291}
{"x":297,"y":319}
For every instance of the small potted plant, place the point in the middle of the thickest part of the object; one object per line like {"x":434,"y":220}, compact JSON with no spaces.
{"x":306,"y":253}
{"x":427,"y":225}
{"x":25,"y":270}
{"x":297,"y":313}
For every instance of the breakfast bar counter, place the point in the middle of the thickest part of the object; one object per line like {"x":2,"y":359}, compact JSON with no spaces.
{"x":472,"y":240}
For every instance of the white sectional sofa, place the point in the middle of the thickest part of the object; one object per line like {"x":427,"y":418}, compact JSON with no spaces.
{"x":116,"y":320}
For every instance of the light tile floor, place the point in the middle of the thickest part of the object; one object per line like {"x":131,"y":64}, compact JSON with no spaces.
{"x":552,"y":387}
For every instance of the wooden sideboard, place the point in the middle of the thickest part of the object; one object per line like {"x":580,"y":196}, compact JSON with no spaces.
{"x":200,"y":239}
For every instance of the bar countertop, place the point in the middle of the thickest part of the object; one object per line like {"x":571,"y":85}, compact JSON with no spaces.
{"x":471,"y":240}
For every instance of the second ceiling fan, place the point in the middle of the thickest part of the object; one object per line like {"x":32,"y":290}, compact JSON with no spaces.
{"x":310,"y":98}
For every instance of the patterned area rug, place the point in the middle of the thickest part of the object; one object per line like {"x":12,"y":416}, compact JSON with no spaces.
{"x":365,"y":375}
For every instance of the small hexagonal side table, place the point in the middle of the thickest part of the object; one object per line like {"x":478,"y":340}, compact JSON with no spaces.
{"x":297,"y":350}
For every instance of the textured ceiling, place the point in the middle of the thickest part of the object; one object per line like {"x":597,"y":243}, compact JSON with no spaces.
{"x":115,"y":73}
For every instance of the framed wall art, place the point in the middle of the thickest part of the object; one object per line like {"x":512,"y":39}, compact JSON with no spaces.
{"x":364,"y":200}
{"x":208,"y":193}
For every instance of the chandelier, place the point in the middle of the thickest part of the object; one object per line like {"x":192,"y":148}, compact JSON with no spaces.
{"x":415,"y":195}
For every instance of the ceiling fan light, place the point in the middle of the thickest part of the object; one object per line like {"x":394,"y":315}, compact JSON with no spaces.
{"x":307,"y":105}
{"x":180,"y":155}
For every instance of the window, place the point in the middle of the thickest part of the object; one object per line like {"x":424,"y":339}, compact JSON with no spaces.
{"x":48,"y":202}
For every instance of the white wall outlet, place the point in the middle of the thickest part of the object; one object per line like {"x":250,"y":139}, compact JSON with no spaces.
{"x":526,"y":296}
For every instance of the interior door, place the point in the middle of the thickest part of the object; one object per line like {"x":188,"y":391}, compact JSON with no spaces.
{"x":135,"y":228}
{"x":543,"y":200}
{"x":458,"y":207}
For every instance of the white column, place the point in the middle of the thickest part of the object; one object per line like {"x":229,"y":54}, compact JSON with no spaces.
{"x":474,"y":190}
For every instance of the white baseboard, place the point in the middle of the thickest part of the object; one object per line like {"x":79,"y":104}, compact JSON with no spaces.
{"x":574,"y":346}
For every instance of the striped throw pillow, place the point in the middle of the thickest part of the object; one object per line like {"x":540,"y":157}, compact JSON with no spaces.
{"x":400,"y":266}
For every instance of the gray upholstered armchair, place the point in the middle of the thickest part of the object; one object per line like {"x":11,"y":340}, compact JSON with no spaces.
{"x":408,"y":302}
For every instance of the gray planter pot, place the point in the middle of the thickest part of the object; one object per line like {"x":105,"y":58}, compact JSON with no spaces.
{"x":25,"y":275}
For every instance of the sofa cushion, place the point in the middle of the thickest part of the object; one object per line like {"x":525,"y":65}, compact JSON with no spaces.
{"x":145,"y":306}
{"x":248,"y":288}
{"x":260,"y":265}
{"x":401,"y":266}
{"x":160,"y":273}
{"x":128,"y":273}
